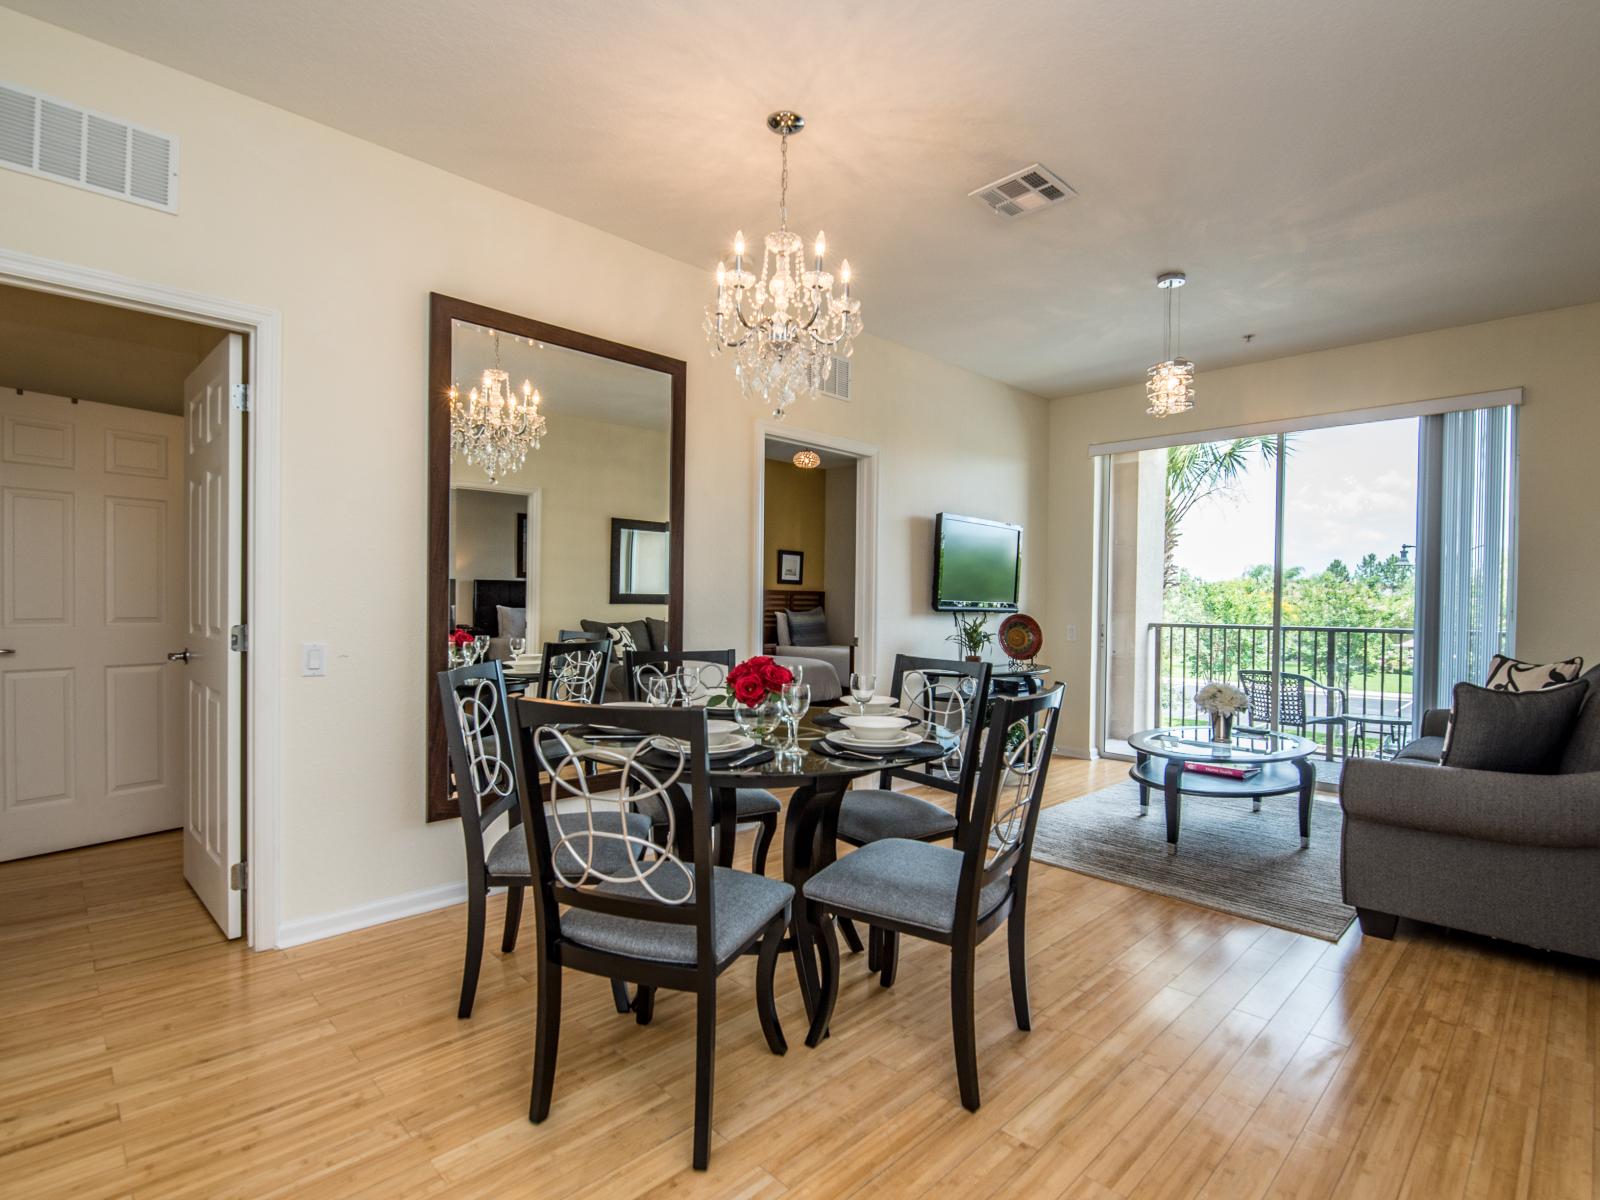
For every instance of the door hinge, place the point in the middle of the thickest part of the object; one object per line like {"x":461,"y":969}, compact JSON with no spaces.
{"x":239,"y":638}
{"x":241,"y":397}
{"x":239,"y":876}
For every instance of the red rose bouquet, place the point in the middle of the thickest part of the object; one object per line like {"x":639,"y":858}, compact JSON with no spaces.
{"x":460,"y":638}
{"x":753,"y":681}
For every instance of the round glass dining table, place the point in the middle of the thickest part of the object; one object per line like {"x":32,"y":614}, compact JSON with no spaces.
{"x":819,"y":778}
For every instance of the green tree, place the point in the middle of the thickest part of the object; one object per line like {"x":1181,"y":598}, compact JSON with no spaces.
{"x":1198,"y":471}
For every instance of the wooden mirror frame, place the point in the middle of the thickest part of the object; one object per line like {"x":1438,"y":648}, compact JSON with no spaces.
{"x":442,"y":312}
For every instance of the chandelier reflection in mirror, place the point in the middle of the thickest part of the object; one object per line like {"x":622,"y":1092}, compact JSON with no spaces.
{"x":493,"y":428}
{"x":784,"y":327}
{"x":1169,"y":385}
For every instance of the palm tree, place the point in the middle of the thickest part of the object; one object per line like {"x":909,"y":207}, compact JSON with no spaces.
{"x":1200,"y":470}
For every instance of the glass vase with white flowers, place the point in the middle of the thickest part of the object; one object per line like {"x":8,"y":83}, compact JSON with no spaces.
{"x":1221,"y":702}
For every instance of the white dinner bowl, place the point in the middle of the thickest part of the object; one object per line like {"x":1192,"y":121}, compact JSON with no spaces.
{"x":876,"y":707}
{"x":721,"y":733}
{"x":874,"y":729}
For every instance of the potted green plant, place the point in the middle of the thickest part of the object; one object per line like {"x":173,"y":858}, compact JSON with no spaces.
{"x":972,"y":635}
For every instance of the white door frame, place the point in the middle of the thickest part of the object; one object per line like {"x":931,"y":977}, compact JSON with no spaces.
{"x":866,"y":597}
{"x":263,"y":732}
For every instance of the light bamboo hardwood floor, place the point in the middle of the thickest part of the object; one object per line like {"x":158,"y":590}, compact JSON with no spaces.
{"x":1175,"y":1052}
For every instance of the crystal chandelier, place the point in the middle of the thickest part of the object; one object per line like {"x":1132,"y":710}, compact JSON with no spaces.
{"x":494,"y":427}
{"x":1169,"y":385}
{"x":784,"y":327}
{"x":807,"y":460}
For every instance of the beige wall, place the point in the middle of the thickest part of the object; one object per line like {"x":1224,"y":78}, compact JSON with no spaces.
{"x":586,"y":472}
{"x":1553,"y":356}
{"x":839,"y":551}
{"x":795,"y":515}
{"x":346,"y":240}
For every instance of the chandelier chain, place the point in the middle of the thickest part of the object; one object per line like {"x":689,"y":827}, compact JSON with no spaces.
{"x":783,"y":188}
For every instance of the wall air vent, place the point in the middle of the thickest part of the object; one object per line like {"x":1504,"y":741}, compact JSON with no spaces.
{"x":56,"y":140}
{"x":1024,"y":191}
{"x":838,"y":381}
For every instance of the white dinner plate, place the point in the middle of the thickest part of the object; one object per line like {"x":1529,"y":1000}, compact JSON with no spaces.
{"x":848,"y":709}
{"x":900,"y":741}
{"x":739,"y":743}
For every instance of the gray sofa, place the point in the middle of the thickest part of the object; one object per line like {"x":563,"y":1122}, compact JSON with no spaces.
{"x":1511,"y":856}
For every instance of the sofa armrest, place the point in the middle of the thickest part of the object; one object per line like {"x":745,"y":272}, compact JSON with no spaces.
{"x":1526,"y":810}
{"x":1435,"y":722}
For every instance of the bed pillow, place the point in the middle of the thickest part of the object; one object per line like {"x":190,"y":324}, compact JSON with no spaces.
{"x":1513,"y":675}
{"x":513,"y":621}
{"x":809,"y":628}
{"x":1523,"y":733}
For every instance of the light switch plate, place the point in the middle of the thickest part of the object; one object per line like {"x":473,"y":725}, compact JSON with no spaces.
{"x":313,"y":658}
{"x":1072,"y":633}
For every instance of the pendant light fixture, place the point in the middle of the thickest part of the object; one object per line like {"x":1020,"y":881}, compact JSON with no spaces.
{"x":1169,"y":385}
{"x":785,"y":326}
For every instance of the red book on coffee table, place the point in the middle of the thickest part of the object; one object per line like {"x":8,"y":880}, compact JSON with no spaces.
{"x":1226,"y":770}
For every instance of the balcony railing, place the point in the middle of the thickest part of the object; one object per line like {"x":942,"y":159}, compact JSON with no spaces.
{"x":1364,"y":675}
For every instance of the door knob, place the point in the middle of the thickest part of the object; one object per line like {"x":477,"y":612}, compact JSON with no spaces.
{"x":178,"y":656}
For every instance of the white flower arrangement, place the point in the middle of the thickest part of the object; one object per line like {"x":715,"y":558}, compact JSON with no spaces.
{"x":1222,"y":699}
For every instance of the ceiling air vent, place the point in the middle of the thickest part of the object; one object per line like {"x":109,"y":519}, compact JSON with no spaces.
{"x":1024,"y":191}
{"x":56,"y":140}
{"x":837,"y":384}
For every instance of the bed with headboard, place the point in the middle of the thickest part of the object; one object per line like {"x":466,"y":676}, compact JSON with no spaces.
{"x":784,"y":601}
{"x":490,"y":594}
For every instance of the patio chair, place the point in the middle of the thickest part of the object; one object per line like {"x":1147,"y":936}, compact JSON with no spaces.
{"x":1293,"y":713}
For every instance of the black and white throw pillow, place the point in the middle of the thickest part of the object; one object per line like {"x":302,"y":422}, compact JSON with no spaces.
{"x":621,"y":639}
{"x":1512,"y":675}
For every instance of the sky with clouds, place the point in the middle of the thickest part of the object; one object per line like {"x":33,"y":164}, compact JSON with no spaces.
{"x":1349,"y":491}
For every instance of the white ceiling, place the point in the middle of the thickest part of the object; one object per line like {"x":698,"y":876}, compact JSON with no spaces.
{"x":570,"y":382}
{"x":1325,"y":172}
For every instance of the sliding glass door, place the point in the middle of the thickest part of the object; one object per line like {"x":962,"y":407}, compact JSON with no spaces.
{"x":1317,"y":570}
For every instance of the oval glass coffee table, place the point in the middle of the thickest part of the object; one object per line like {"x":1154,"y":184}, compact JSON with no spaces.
{"x":1281,"y":762}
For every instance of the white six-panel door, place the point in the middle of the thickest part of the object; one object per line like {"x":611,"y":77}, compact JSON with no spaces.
{"x":214,"y":477}
{"x":92,"y":599}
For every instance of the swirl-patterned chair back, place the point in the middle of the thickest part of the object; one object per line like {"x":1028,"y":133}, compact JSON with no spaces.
{"x":1007,"y":793}
{"x":676,"y":678}
{"x":575,"y":671}
{"x":953,"y":695}
{"x":589,"y":862}
{"x":479,"y":730}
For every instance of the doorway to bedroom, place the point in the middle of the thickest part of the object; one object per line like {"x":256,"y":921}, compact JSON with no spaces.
{"x":815,"y":568}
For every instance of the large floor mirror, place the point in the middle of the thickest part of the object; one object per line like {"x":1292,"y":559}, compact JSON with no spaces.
{"x":586,"y":535}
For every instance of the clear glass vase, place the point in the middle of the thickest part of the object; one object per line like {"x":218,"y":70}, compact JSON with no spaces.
{"x":760,"y":720}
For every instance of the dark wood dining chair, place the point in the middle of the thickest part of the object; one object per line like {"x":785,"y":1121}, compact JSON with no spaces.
{"x":655,"y":919}
{"x":478,"y":731}
{"x":575,"y":669}
{"x":656,"y":669}
{"x":951,"y":693}
{"x":954,"y":897}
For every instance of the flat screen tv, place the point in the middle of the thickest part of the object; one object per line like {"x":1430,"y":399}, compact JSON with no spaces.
{"x":977,"y":564}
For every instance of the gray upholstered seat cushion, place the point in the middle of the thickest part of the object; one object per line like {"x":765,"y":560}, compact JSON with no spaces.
{"x":913,"y":883}
{"x":752,"y":802}
{"x":744,"y":903}
{"x":509,"y":855}
{"x":1424,"y":749}
{"x":869,"y":814}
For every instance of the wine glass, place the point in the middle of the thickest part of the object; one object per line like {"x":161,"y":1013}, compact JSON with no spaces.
{"x":796,"y":702}
{"x":480,"y":647}
{"x":517,"y":646}
{"x":863,"y":688}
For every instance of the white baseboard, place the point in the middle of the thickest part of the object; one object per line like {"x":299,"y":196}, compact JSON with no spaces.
{"x":392,"y":908}
{"x":1074,"y":751}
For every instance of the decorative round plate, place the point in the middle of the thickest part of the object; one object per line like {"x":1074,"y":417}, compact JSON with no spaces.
{"x":1020,"y":636}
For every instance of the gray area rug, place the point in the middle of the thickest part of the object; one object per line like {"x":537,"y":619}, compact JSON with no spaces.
{"x":1229,"y":858}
